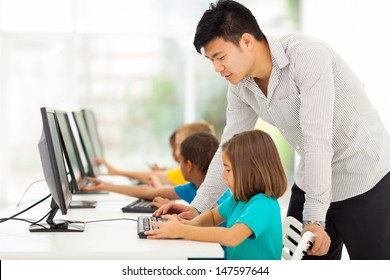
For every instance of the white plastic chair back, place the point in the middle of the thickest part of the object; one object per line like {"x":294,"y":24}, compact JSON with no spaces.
{"x":294,"y":245}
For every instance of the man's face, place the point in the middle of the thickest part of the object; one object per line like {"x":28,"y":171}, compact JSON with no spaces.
{"x":232,"y":62}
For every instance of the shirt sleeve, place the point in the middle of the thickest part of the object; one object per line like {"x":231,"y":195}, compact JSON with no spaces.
{"x":257,"y":216}
{"x":185,"y":192}
{"x":239,"y":117}
{"x":315,"y":80}
{"x":175,"y":176}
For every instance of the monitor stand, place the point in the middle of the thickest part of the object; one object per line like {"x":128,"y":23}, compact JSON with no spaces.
{"x":83,"y":204}
{"x":57,"y":226}
{"x":90,"y":192}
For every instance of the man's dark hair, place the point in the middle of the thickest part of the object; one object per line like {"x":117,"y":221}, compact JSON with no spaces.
{"x":228,"y":20}
{"x":199,"y":148}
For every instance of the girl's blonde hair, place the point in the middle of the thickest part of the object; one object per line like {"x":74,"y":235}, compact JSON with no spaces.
{"x":256,"y":165}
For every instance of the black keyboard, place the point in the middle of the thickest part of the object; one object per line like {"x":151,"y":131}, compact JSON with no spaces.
{"x":144,"y":225}
{"x":139,"y":206}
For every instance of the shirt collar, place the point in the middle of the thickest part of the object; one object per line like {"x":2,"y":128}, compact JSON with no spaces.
{"x":279,"y":58}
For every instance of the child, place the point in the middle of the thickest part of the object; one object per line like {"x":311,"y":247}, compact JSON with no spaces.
{"x":163,"y":177}
{"x":196,"y":152}
{"x":255,"y":175}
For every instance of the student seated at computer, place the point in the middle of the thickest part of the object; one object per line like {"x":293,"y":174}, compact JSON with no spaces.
{"x":160,"y":178}
{"x":254,"y":173}
{"x":195,"y":155}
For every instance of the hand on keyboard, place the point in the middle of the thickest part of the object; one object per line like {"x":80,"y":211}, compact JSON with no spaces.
{"x":159,"y":201}
{"x":169,"y":228}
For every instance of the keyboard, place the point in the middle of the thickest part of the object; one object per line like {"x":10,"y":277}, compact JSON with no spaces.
{"x":144,"y":225}
{"x":139,"y":206}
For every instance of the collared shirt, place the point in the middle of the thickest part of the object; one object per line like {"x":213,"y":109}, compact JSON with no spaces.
{"x":321,"y":108}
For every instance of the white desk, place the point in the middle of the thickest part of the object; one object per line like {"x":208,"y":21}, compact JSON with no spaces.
{"x":113,"y":240}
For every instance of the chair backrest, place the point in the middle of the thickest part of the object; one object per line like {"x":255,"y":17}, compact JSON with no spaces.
{"x":294,"y":245}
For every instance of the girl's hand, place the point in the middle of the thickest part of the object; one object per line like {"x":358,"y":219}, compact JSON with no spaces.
{"x":167,"y":229}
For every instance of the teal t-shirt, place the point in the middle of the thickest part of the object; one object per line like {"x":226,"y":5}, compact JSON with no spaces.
{"x":187,"y":192}
{"x":262,"y":215}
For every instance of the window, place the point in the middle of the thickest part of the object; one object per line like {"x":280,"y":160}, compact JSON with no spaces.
{"x":131,"y":62}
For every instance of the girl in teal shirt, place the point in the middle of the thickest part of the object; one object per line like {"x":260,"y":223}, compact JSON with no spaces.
{"x":254,"y":173}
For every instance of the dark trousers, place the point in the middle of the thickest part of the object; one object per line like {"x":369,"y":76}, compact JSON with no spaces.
{"x":362,"y":223}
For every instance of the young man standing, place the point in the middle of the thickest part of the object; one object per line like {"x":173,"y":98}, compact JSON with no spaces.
{"x":304,"y":88}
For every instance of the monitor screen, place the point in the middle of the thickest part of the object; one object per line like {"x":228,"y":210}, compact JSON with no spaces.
{"x":78,"y":176}
{"x":90,"y":120}
{"x":55,"y":171}
{"x":86,"y":143}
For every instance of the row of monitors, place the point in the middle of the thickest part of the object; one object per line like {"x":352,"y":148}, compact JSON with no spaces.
{"x":67,"y":160}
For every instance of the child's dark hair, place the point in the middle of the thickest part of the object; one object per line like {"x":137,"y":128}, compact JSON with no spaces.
{"x":227,"y":20}
{"x":199,"y":148}
{"x":256,"y":165}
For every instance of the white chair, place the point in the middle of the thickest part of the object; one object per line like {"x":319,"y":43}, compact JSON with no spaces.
{"x":294,"y":245}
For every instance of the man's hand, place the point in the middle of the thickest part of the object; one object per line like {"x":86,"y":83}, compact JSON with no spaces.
{"x":183,"y":211}
{"x":321,"y":240}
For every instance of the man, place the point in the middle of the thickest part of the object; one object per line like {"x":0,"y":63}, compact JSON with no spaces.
{"x":304,"y":88}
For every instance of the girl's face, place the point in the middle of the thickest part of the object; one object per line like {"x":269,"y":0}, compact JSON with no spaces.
{"x":227,"y":171}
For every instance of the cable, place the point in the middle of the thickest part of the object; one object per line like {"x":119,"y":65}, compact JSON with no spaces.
{"x":111,"y":220}
{"x":21,"y":212}
{"x":28,"y":187}
{"x":30,"y":221}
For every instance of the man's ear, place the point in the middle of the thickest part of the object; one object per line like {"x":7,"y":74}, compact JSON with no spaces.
{"x":247,"y":41}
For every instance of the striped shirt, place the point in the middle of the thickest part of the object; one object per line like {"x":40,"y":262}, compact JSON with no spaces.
{"x":321,"y":108}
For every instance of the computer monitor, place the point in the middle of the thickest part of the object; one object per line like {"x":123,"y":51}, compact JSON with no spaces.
{"x":55,"y":171}
{"x":86,"y":143}
{"x":90,"y":120}
{"x":79,"y":177}
{"x":77,"y":174}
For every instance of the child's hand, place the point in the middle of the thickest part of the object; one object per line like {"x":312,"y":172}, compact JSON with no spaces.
{"x":94,"y":185}
{"x":159,"y":201}
{"x":167,"y":229}
{"x":156,"y":167}
{"x":154,"y":181}
{"x":111,"y":170}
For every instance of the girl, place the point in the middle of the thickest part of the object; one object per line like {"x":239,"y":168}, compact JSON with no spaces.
{"x":254,"y":173}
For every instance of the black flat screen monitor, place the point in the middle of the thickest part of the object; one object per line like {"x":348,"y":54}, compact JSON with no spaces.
{"x":77,"y":174}
{"x":55,"y":171}
{"x":91,"y":122}
{"x":86,"y":143}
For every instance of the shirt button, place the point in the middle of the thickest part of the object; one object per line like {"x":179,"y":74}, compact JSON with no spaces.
{"x":270,"y":109}
{"x":297,"y":147}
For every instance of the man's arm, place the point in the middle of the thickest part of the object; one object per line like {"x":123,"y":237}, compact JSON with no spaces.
{"x":315,"y":79}
{"x":239,"y":117}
